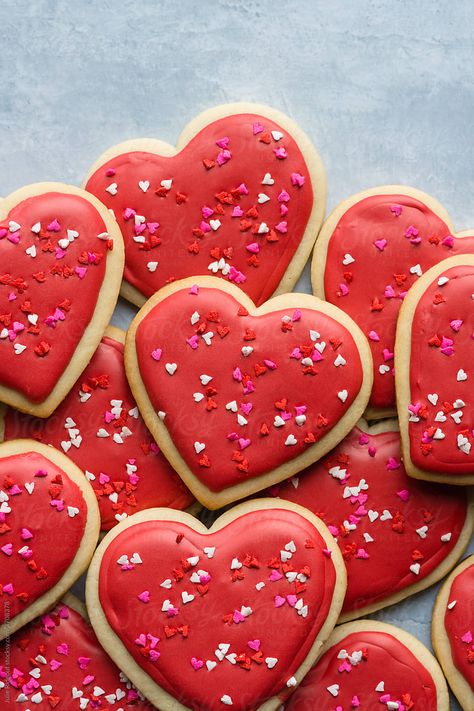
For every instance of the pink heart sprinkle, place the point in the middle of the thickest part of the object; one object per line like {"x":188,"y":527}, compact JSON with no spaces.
{"x":254,"y":644}
{"x":279,"y":601}
{"x":380,"y":244}
{"x":156,"y":354}
{"x":196,"y":663}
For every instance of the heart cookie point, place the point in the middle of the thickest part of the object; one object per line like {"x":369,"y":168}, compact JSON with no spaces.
{"x":211,"y":610}
{"x":434,"y":352}
{"x":57,"y":268}
{"x":216,"y":196}
{"x":270,"y":410}
{"x":373,"y":663}
{"x":40,"y":490}
{"x":363,"y":493}
{"x":371,"y":250}
{"x":453,"y":631}
{"x":64,"y":660}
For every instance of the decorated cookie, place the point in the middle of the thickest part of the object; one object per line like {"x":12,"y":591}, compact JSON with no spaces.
{"x":240,"y":397}
{"x":397,"y":535}
{"x":99,"y":427}
{"x":453,"y":632}
{"x":49,"y":525}
{"x":242,"y":196}
{"x":234,"y":615}
{"x":372,"y":248}
{"x":56,"y":662}
{"x":61,"y":261}
{"x":371,"y":666}
{"x":435,"y":374}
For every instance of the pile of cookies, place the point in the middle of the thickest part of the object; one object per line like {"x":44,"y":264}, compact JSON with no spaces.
{"x":342,"y":422}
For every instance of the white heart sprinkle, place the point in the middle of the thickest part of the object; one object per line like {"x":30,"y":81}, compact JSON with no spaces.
{"x":343,"y":395}
{"x":171,"y":368}
{"x":144,"y":185}
{"x":199,"y":447}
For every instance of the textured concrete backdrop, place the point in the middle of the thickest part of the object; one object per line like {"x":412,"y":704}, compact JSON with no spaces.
{"x":385,"y":90}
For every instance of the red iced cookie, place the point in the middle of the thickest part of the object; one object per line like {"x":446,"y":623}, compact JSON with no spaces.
{"x":372,"y":666}
{"x":49,"y":524}
{"x":99,"y":427}
{"x":453,"y":631}
{"x":57,"y":662}
{"x":61,"y":260}
{"x":240,"y":397}
{"x":242,"y":196}
{"x":397,"y":536}
{"x":234,"y":615}
{"x":372,"y":248}
{"x":435,"y":374}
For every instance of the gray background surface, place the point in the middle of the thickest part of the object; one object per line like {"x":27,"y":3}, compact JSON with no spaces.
{"x":383,"y":87}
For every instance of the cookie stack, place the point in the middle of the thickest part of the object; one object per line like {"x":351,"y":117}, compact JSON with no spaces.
{"x":336,"y":429}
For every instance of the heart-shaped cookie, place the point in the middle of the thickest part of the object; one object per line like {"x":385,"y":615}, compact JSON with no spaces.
{"x":49,"y":525}
{"x":61,"y":261}
{"x":57,"y":662}
{"x":453,"y":631}
{"x":397,"y":535}
{"x":99,"y":427}
{"x":371,"y":665}
{"x":372,"y":248}
{"x":242,"y":196}
{"x":234,"y":615}
{"x":435,"y":373}
{"x":240,"y":397}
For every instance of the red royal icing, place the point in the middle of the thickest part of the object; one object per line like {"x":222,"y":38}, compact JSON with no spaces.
{"x":57,"y":662}
{"x":442,"y":374}
{"x":405,"y":518}
{"x":213,"y":217}
{"x":265,"y":388}
{"x":347,"y":675}
{"x":38,"y":501}
{"x":48,"y":293}
{"x":99,"y":427}
{"x":459,"y":623}
{"x":220,"y":572}
{"x":387,"y":236}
